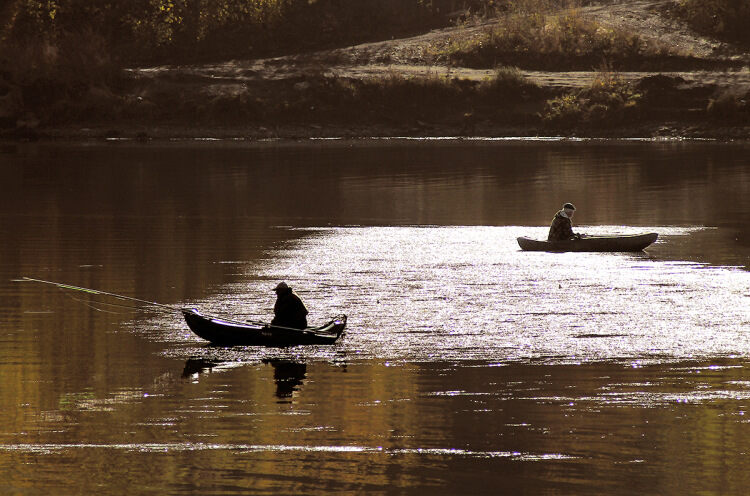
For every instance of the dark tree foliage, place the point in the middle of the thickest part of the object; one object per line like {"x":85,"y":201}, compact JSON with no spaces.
{"x":145,"y":31}
{"x":726,"y":19}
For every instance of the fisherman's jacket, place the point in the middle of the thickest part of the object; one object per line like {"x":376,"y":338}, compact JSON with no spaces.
{"x":289,"y":311}
{"x":561,"y":228}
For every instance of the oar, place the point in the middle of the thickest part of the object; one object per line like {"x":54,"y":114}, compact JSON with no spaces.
{"x":161,"y":306}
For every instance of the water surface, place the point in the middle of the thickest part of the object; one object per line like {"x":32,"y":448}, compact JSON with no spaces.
{"x":468,"y":367}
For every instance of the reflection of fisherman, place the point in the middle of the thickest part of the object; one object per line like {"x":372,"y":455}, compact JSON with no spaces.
{"x":562,"y":227}
{"x":288,"y":375}
{"x":289,"y":311}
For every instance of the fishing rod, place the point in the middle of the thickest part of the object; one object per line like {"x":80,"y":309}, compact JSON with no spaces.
{"x":103,"y":293}
{"x":160,"y":306}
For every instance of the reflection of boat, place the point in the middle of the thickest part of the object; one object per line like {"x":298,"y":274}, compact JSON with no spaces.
{"x":632,"y":242}
{"x":228,"y":333}
{"x":287,"y":374}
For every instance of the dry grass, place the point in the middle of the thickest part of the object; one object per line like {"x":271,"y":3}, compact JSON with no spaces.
{"x":535,"y":34}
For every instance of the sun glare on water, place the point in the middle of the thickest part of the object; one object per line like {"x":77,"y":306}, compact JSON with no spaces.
{"x":469,"y":293}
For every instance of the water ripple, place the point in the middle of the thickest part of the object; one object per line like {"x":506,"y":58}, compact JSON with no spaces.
{"x":49,"y":448}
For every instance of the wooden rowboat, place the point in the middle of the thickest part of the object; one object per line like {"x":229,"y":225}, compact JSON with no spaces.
{"x":633,"y":242}
{"x":230,"y":333}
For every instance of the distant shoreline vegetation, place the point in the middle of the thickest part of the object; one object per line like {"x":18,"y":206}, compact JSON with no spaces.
{"x":61,"y":64}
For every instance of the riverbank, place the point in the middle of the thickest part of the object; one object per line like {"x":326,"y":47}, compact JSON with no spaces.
{"x":666,"y":131}
{"x":653,"y":106}
{"x":659,"y":79}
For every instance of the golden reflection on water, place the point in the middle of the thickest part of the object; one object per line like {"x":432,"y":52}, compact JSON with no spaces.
{"x":486,"y":423}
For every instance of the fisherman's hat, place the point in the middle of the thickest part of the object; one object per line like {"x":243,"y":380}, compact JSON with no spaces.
{"x":282,"y":286}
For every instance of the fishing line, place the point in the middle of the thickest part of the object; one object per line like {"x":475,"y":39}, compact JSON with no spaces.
{"x":103,"y":293}
{"x":91,"y":305}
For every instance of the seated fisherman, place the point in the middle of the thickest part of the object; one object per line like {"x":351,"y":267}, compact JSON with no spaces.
{"x":289,"y":311}
{"x":562,"y":227}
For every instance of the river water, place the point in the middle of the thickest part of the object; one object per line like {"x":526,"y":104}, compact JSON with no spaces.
{"x":468,"y":366}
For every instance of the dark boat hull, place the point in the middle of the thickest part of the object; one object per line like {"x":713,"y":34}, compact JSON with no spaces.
{"x":635,"y":242}
{"x":229,"y":333}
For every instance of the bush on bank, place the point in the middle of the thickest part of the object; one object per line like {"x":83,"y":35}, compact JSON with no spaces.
{"x":730,"y":106}
{"x":608,"y":102}
{"x":726,"y":19}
